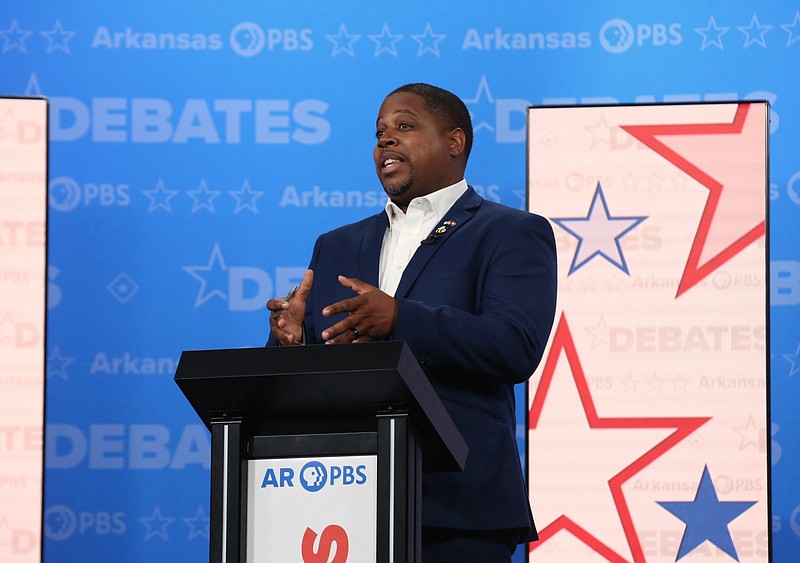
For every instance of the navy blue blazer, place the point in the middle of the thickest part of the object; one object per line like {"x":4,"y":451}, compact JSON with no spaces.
{"x":475,"y":305}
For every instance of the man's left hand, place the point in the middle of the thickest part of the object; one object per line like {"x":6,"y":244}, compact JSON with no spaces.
{"x":371,"y":314}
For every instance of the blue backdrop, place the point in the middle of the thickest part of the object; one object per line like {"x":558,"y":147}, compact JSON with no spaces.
{"x":198,"y":148}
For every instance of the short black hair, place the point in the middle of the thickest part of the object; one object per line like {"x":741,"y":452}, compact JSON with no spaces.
{"x":445,"y":105}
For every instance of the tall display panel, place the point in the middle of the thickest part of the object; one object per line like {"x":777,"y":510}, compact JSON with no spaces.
{"x":23,"y":212}
{"x":647,"y":418}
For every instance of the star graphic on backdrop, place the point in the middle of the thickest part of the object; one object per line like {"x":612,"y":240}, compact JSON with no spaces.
{"x":8,"y":125}
{"x":754,"y":33}
{"x":428,"y":41}
{"x":246,"y":198}
{"x":385,"y":42}
{"x":160,"y":197}
{"x":751,"y":436}
{"x":57,"y":38}
{"x":564,"y":422}
{"x":712,"y":35}
{"x":793,"y":359}
{"x":7,"y":327}
{"x":343,"y":42}
{"x":706,"y":518}
{"x":198,"y":524}
{"x":630,"y":384}
{"x":679,"y":383}
{"x":214,"y":270}
{"x":733,"y":216}
{"x":598,"y":233}
{"x":33,"y":89}
{"x":57,"y":364}
{"x":599,"y":334}
{"x":482,"y":93}
{"x":599,"y":132}
{"x":793,"y":30}
{"x":14,"y":38}
{"x":5,"y":533}
{"x":156,"y":525}
{"x":203,"y":197}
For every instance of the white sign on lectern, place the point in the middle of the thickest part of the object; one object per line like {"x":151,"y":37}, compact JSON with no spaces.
{"x":312,"y":509}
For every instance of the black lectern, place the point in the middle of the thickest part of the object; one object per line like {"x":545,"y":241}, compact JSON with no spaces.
{"x":369,"y":399}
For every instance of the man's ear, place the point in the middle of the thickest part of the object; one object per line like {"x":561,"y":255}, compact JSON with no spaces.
{"x":457,"y":142}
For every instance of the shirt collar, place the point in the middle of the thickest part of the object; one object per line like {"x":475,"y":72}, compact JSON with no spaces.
{"x":440,"y":201}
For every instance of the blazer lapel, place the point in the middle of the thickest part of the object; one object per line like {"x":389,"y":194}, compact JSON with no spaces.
{"x":461,"y":212}
{"x":370,"y":253}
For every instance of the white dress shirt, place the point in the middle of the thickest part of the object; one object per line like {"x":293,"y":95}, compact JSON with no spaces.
{"x":407,"y":230}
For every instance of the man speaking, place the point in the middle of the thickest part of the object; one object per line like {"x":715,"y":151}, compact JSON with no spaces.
{"x":468,"y":284}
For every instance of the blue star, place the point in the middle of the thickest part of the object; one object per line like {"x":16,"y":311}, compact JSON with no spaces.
{"x":706,"y":518}
{"x":599,"y":233}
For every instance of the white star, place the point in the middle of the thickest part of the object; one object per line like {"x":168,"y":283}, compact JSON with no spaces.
{"x":712,"y":35}
{"x":203,"y":197}
{"x":15,"y":37}
{"x":215,"y":268}
{"x":386,"y":42}
{"x":199,"y":524}
{"x":428,"y":41}
{"x":246,"y":198}
{"x":482,"y":92}
{"x":33,"y":88}
{"x":794,"y":36}
{"x":793,"y":359}
{"x":57,"y":364}
{"x":156,"y":525}
{"x":343,"y":42}
{"x":57,"y":38}
{"x":751,"y":33}
{"x":160,"y":197}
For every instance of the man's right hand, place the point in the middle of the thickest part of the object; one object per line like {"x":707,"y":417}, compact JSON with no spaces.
{"x":286,"y":317}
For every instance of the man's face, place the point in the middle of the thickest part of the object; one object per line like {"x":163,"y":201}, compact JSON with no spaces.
{"x":413,"y":152}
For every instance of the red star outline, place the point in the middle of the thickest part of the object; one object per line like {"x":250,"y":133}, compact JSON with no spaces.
{"x":693,"y":273}
{"x":563,"y":342}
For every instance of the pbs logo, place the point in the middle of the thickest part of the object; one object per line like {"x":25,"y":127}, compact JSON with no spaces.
{"x":247,"y":39}
{"x":618,"y":36}
{"x":65,"y":194}
{"x":313,"y":476}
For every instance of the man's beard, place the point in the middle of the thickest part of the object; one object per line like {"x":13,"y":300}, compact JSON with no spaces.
{"x":400,"y":187}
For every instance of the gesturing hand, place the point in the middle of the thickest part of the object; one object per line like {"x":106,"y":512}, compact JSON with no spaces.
{"x":286,"y":317}
{"x":371,"y":314}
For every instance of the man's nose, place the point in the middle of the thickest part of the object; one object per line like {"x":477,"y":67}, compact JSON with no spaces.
{"x":386,"y":140}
